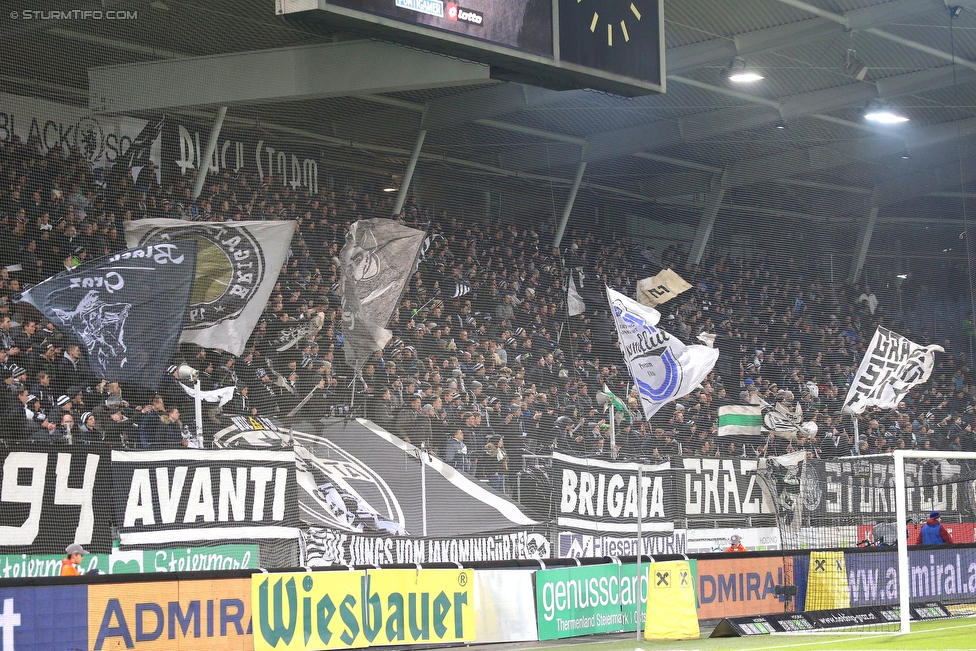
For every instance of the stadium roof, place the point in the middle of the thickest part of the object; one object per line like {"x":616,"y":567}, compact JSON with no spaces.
{"x":794,"y":146}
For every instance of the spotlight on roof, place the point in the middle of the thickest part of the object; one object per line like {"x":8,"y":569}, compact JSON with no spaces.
{"x":390,"y":189}
{"x":853,"y":67}
{"x":740,"y":73}
{"x":882,"y":113}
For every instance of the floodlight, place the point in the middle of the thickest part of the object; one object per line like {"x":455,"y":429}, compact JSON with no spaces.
{"x":738,"y":72}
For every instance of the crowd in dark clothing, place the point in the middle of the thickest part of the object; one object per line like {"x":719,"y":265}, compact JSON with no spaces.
{"x":484,"y":367}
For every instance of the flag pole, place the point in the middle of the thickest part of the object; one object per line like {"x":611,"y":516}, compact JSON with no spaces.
{"x":613,"y":432}
{"x":303,"y":402}
{"x":640,"y":546}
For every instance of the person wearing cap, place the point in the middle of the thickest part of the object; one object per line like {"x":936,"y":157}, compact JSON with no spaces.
{"x":736,"y":544}
{"x":89,"y":430}
{"x":71,"y":564}
{"x":933,"y":532}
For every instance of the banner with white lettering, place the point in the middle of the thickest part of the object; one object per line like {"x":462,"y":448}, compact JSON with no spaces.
{"x":51,"y":497}
{"x":101,"y":139}
{"x":603,"y":496}
{"x":891,"y":366}
{"x":865,"y":486}
{"x":166,"y":496}
{"x":290,"y":162}
{"x":323,"y":547}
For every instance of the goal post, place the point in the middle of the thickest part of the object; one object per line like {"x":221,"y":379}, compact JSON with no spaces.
{"x":901,"y":516}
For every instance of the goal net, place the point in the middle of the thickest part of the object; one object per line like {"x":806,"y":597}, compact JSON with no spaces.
{"x":862,"y":520}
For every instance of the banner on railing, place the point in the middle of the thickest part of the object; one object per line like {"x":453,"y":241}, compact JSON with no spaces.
{"x":325,"y":547}
{"x":50,"y":498}
{"x":204,"y":495}
{"x":603,"y":496}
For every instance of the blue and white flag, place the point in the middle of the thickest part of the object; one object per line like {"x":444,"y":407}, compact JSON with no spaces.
{"x":663,"y":368}
{"x":125,"y":309}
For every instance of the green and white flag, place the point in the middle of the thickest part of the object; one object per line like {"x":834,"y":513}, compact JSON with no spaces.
{"x":617,"y":404}
{"x":739,"y":420}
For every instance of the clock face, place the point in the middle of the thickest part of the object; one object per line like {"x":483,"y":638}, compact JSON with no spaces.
{"x":619,"y":36}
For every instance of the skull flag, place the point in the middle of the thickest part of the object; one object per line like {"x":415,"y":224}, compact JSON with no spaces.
{"x":377,"y":261}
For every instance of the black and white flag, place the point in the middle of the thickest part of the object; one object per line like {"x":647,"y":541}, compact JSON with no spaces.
{"x":139,"y":153}
{"x":176,"y":496}
{"x":289,"y":337}
{"x":377,"y":260}
{"x":461,"y":288}
{"x":574,"y":302}
{"x":237,"y":271}
{"x":891,"y":366}
{"x":126,"y":309}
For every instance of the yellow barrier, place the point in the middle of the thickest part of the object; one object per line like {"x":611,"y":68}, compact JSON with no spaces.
{"x":827,"y":583}
{"x":671,"y":611}
{"x":344,"y":610}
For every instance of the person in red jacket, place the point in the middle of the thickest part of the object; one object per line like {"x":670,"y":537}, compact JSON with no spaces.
{"x":934,"y":532}
{"x":71,"y":565}
{"x":736,"y":545}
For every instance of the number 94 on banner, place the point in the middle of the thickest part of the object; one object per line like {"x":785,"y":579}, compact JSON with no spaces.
{"x":342,"y":610}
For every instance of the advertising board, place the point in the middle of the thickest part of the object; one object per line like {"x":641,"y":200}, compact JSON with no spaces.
{"x":345,"y":610}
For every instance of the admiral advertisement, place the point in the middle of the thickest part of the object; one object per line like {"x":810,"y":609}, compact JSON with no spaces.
{"x":171,"y":496}
{"x":100,"y":139}
{"x":389,"y":507}
{"x":741,"y":586}
{"x":287,"y":163}
{"x":603,"y":496}
{"x":941,"y":574}
{"x":50,"y":498}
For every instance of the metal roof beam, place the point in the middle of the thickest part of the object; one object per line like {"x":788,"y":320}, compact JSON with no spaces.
{"x":778,"y":167}
{"x":663,"y":133}
{"x":282,"y":74}
{"x":489,"y":102}
{"x":845,"y":21}
{"x":720,"y":50}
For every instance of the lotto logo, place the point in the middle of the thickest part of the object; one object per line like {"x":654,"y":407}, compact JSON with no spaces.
{"x":456,"y":13}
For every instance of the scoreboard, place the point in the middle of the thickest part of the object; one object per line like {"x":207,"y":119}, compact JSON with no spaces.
{"x":615,"y":46}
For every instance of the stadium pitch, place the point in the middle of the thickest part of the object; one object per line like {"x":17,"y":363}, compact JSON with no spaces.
{"x":956,"y":634}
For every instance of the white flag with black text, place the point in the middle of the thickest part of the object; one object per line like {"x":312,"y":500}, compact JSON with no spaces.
{"x":891,"y":366}
{"x":660,"y":288}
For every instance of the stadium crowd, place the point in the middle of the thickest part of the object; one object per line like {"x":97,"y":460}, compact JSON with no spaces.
{"x":485,"y":365}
